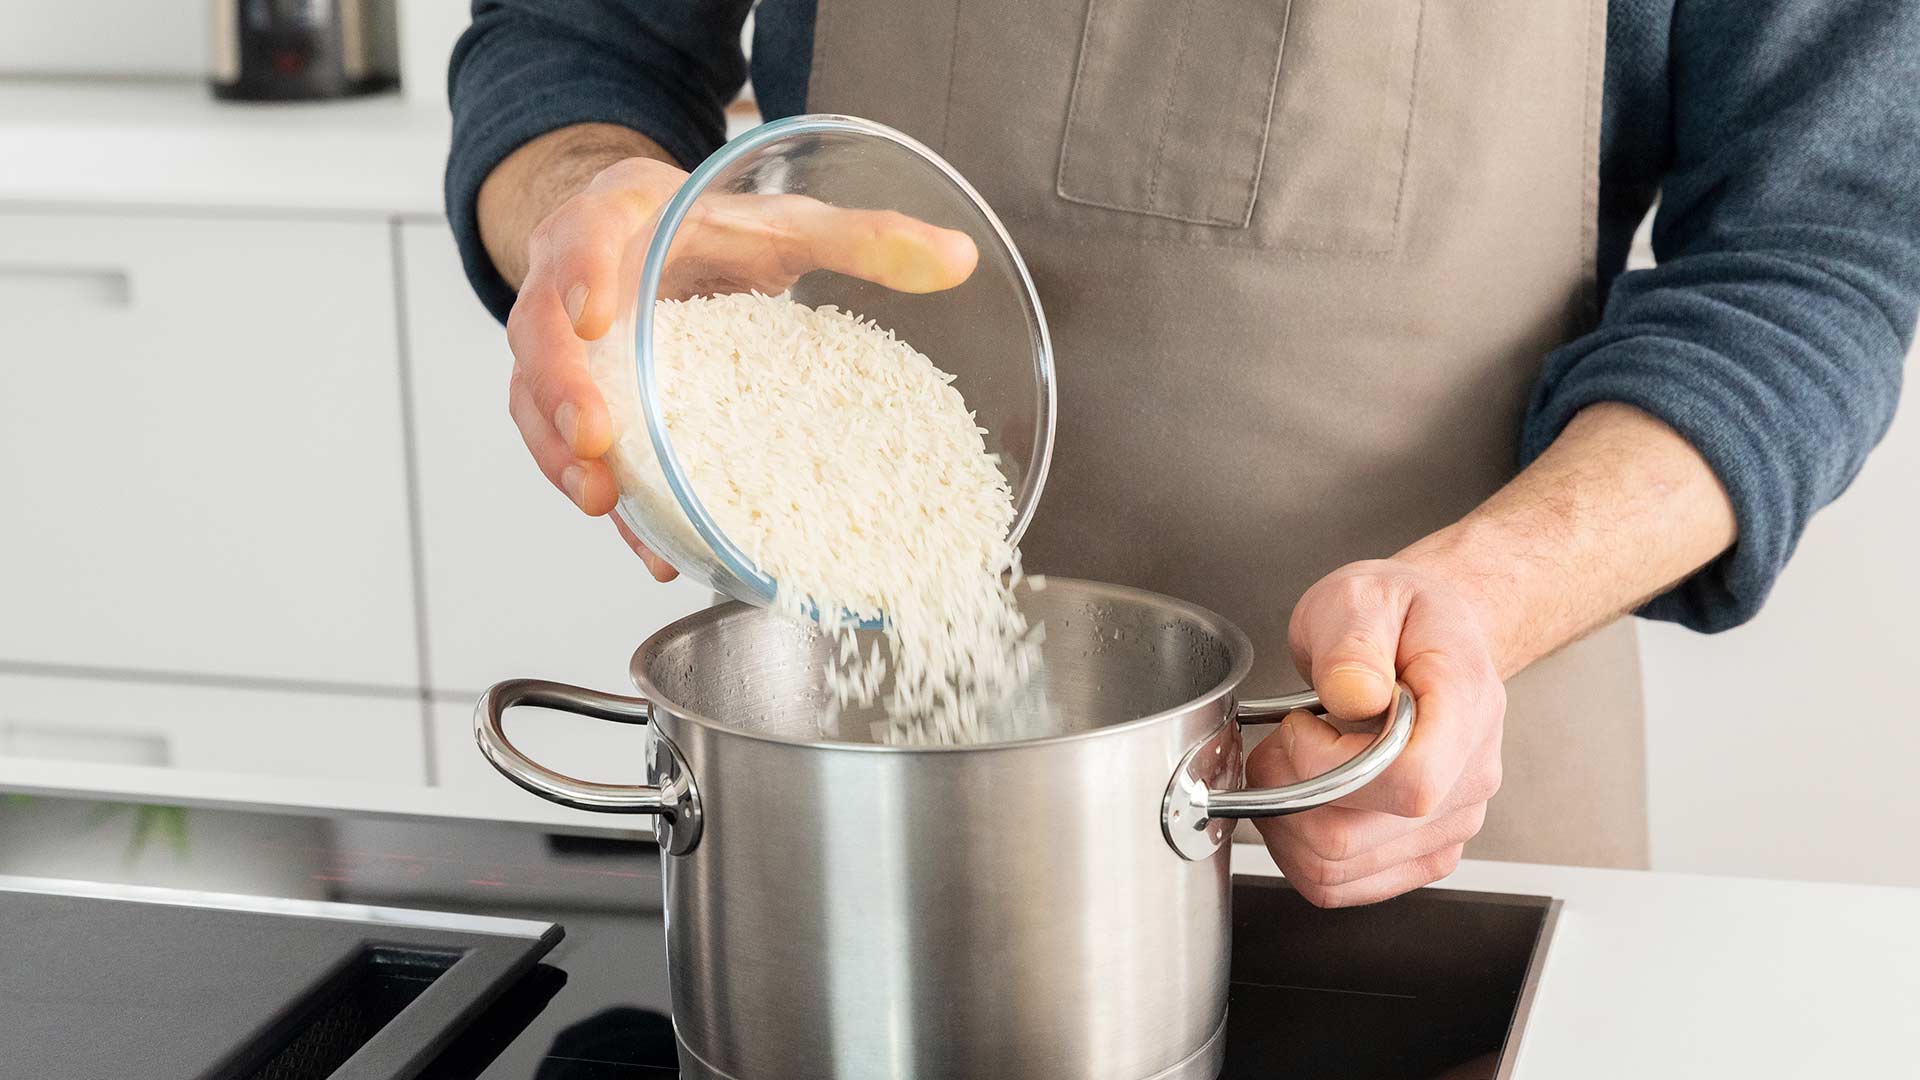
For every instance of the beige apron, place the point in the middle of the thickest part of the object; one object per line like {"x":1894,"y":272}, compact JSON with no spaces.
{"x":1301,"y":262}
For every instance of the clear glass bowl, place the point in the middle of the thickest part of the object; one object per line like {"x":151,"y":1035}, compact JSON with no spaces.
{"x":988,"y":331}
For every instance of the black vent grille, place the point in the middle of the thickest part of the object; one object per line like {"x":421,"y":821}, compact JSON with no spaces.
{"x":348,"y":1010}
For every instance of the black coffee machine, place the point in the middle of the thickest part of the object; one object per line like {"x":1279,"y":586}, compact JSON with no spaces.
{"x":302,"y":50}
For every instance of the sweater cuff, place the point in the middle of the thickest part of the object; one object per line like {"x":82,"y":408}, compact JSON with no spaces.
{"x":1695,"y":392}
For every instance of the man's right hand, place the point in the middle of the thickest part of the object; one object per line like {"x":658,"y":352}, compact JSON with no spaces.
{"x":561,"y":213}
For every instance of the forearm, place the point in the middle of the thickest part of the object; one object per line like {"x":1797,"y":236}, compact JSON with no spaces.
{"x":532,"y":182}
{"x":1616,"y":511}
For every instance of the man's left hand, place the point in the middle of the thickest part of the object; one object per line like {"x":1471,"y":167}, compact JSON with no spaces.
{"x":1352,"y":634}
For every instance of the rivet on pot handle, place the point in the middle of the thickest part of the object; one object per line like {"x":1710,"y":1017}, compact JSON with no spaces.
{"x":676,"y":801}
{"x":1195,"y":817}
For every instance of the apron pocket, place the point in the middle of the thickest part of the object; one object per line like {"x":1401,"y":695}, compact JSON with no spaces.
{"x":1170,"y":107}
{"x":1186,"y":111}
{"x":1342,"y":121}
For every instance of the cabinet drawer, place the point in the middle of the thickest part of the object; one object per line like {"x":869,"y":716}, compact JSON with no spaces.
{"x":200,"y":448}
{"x":161,"y":727}
{"x":518,"y":582}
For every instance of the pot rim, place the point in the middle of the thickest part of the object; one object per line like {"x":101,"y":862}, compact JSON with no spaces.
{"x":1238,"y":645}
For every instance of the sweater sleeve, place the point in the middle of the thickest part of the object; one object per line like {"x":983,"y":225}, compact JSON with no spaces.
{"x":665,"y":68}
{"x":1772,"y":333}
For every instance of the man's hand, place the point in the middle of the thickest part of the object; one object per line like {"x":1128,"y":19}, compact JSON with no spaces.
{"x":1618,"y":509}
{"x":1351,"y":633}
{"x":565,"y":218}
{"x":568,"y":298}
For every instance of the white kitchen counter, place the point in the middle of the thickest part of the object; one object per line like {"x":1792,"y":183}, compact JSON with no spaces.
{"x":1680,"y":975}
{"x":170,"y":144}
{"x":303,"y":795}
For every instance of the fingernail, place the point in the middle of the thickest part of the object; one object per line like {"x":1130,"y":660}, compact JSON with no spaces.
{"x":1362,"y":670}
{"x":574,"y":480}
{"x":567,"y":419}
{"x":576,"y":302}
{"x":1288,"y":734}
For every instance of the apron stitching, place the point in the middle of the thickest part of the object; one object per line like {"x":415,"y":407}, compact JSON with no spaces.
{"x":1266,"y":132}
{"x":953,"y":58}
{"x":1170,"y":215}
{"x":1413,"y":114}
{"x":1073,"y":101}
{"x":1226,"y":248}
{"x":1166,"y":114}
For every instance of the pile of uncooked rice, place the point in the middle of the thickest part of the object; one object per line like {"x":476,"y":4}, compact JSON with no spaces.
{"x":849,"y":469}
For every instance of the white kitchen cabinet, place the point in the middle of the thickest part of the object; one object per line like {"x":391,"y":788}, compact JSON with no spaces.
{"x":518,"y":582}
{"x":201,"y":457}
{"x":152,"y":729}
{"x":575,"y":745}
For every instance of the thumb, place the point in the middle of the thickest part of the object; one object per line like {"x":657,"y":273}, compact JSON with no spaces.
{"x":1346,"y":647}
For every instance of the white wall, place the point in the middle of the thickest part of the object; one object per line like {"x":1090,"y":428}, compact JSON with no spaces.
{"x":1789,"y":747}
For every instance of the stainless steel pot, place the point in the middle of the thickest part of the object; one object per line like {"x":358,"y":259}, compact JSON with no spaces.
{"x":1056,"y":907}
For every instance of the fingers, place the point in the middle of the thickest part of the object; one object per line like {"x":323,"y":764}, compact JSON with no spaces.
{"x":552,"y":398}
{"x":661,"y":570}
{"x":771,"y":241}
{"x":1346,"y":639}
{"x":884,"y":247}
{"x":1350,"y":634}
{"x":1306,"y":746}
{"x":1458,"y":713}
{"x":1351,"y":631}
{"x":572,"y":294}
{"x":1460,"y":705}
{"x":1297,"y":848}
{"x":550,"y":363}
{"x":1338,"y":855}
{"x":767,"y":240}
{"x":1405,"y":877}
{"x":588,"y":482}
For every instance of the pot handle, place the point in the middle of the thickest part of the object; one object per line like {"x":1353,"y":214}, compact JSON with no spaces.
{"x":1194,"y":815}
{"x":1339,"y":782}
{"x":675,"y":800}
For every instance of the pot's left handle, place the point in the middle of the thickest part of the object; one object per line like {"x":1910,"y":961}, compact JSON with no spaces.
{"x":675,"y":800}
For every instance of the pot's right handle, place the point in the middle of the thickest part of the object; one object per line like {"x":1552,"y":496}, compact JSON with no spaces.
{"x":1194,"y":816}
{"x":1336,"y":783}
{"x":675,"y":801}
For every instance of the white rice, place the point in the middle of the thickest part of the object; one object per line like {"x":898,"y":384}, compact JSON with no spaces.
{"x":848,"y":468}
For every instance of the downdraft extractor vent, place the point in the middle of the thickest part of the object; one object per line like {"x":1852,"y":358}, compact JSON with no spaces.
{"x":347,"y":1010}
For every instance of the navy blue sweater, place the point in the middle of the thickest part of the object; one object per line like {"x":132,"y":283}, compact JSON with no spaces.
{"x":1782,"y":136}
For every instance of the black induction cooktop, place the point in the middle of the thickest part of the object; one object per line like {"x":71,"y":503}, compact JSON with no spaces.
{"x":1431,"y":986}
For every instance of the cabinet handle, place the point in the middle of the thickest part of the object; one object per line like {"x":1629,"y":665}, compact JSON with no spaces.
{"x":90,"y":745}
{"x":65,"y":286}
